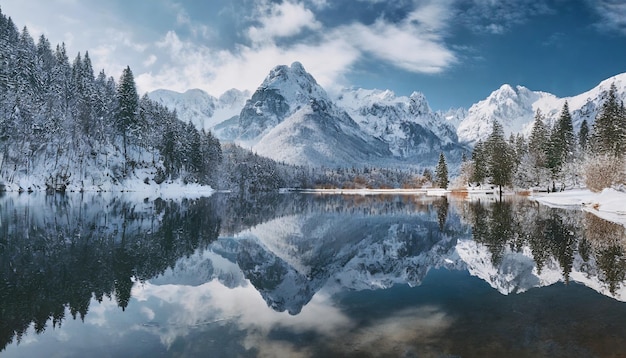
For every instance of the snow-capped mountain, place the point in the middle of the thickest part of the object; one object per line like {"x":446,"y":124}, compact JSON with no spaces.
{"x":515,"y":107}
{"x":291,"y":118}
{"x":200,"y":108}
{"x":407,"y":124}
{"x":284,"y":91}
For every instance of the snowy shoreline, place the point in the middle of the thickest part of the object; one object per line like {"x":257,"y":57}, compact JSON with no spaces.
{"x":135,"y":188}
{"x":610,"y":204}
{"x":428,"y":192}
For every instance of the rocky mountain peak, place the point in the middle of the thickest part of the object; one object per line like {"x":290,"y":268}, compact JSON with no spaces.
{"x":418,"y":104}
{"x":285,"y":91}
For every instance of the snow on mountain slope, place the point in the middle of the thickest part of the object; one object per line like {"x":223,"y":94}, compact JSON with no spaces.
{"x":200,"y":108}
{"x":283,"y":92}
{"x":512,"y":107}
{"x":291,"y":118}
{"x":454,"y":116}
{"x":313,"y":136}
{"x":515,"y":109}
{"x":407,"y":124}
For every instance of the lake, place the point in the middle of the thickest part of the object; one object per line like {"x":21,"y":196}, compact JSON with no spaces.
{"x":293,"y":275}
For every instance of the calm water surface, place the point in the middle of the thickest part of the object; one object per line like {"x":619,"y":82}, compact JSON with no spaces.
{"x":307,"y":276}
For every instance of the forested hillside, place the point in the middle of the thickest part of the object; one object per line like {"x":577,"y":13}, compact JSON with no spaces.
{"x":555,"y":157}
{"x":64,"y":127}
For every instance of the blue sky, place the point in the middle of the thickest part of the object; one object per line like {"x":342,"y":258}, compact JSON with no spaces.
{"x":454,"y":51}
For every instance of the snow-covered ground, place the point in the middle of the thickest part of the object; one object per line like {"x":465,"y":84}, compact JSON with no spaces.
{"x":365,"y":191}
{"x":610,"y":204}
{"x":137,"y":188}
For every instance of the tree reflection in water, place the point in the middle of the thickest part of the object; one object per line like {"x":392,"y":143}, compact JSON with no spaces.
{"x":57,"y":253}
{"x":61,"y":254}
{"x":552,"y":235}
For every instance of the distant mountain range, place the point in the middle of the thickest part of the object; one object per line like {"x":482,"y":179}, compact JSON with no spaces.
{"x":200,"y":108}
{"x":515,"y":108}
{"x":291,"y":118}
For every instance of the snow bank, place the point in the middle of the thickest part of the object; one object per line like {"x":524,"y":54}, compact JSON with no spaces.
{"x":610,"y":204}
{"x":136,"y":188}
{"x":361,"y":191}
{"x":167,"y":190}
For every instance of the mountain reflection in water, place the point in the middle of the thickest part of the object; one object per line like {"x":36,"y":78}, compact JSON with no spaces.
{"x":343,"y":275}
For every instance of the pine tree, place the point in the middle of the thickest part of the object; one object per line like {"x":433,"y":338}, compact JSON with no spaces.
{"x":441,"y":172}
{"x":128,"y":106}
{"x":562,"y":142}
{"x":538,"y":148}
{"x":501,"y":160}
{"x":609,"y":130}
{"x":480,"y":163}
{"x":607,"y":143}
{"x":583,"y":136}
{"x":427,"y":174}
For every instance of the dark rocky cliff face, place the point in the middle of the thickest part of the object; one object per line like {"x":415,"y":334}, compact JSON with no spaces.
{"x":266,"y":109}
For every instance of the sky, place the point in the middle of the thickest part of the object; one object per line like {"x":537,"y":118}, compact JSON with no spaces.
{"x":456,"y":52}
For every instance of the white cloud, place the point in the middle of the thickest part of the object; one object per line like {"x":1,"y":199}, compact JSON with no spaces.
{"x":107,"y":54}
{"x":282,"y":20}
{"x":415,"y":44}
{"x":497,"y":17}
{"x":320,"y":4}
{"x":182,"y":17}
{"x":193,"y":66}
{"x":613,"y":14}
{"x":151,"y":60}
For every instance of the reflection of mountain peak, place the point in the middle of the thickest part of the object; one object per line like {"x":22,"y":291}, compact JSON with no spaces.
{"x":282,"y":287}
{"x":517,"y":246}
{"x":517,"y":272}
{"x":290,"y":259}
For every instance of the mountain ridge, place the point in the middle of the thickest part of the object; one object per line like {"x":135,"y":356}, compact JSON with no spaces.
{"x":410,"y":130}
{"x":291,"y":118}
{"x":515,"y":108}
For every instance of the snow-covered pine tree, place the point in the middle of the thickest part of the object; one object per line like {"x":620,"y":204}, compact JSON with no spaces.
{"x":441,"y":172}
{"x":605,"y":167}
{"x":212,"y":157}
{"x":562,"y":146}
{"x":538,"y":146}
{"x":86,"y":95}
{"x":479,"y":160}
{"x":128,"y":106}
{"x":427,"y":173}
{"x":609,"y":129}
{"x":104,"y":106}
{"x":501,"y":159}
